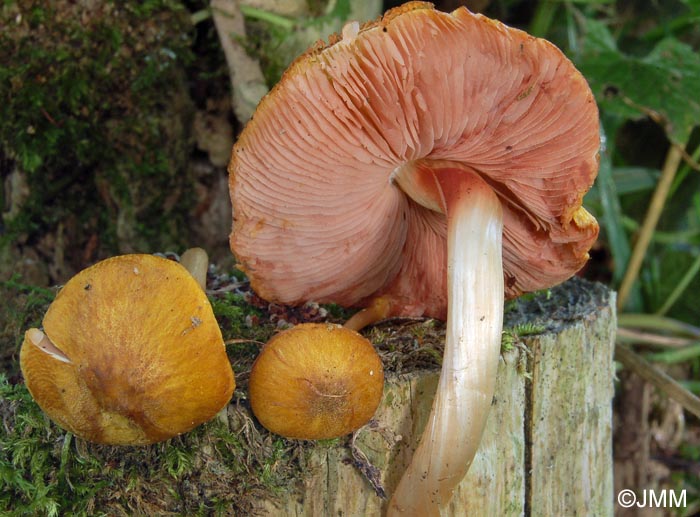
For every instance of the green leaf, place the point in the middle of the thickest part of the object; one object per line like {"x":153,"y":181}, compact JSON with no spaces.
{"x":628,"y":180}
{"x":662,"y":85}
{"x":612,"y":216}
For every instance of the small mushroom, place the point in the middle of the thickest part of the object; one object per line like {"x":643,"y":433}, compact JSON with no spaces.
{"x":130,"y":353}
{"x":316,"y":381}
{"x":196,"y":261}
{"x":428,"y":163}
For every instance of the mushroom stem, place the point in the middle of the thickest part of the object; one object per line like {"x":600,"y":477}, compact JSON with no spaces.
{"x":474,"y":324}
{"x":196,"y":261}
{"x":378,"y":309}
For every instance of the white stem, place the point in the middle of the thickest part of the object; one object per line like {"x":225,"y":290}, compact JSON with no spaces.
{"x":474,"y":324}
{"x":196,"y":261}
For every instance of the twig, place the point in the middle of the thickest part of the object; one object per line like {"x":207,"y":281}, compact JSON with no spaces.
{"x":673,"y":159}
{"x":690,"y":161}
{"x":227,"y":288}
{"x":235,"y":341}
{"x":371,"y":473}
{"x":661,"y":380}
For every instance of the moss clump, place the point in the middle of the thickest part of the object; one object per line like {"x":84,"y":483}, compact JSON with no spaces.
{"x":95,"y":132}
{"x":219,"y":468}
{"x":22,"y":306}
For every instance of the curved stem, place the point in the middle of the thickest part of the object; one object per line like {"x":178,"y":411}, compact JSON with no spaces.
{"x":377,"y":310}
{"x":474,"y":324}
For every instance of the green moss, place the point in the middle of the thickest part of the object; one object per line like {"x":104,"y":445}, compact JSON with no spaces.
{"x":512,"y":336}
{"x":95,"y":117}
{"x":220,"y":466}
{"x":22,"y":306}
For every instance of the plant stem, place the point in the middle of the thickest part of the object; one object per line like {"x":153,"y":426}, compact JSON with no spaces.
{"x":680,"y":287}
{"x":625,"y":335}
{"x":680,"y":355}
{"x":673,"y":159}
{"x":612,"y":215}
{"x":542,"y":19}
{"x":201,"y":15}
{"x":662,"y":237}
{"x":661,"y":380}
{"x":656,"y":322}
{"x":268,"y":17}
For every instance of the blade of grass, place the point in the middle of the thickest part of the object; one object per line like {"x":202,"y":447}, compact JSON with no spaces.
{"x":679,"y":355}
{"x":662,"y":237}
{"x":656,"y":206}
{"x":680,"y":286}
{"x":542,"y":19}
{"x":612,"y":215}
{"x":657,"y":322}
{"x":625,"y":335}
{"x":268,"y":17}
{"x":684,"y":170}
{"x":201,"y":15}
{"x":693,"y":386}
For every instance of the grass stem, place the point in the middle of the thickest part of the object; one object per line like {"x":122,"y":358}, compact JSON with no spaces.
{"x":680,"y":287}
{"x":658,"y":200}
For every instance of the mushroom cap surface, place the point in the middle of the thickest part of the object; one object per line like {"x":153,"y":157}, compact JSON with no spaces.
{"x":316,"y":381}
{"x":140,"y":357}
{"x":318,"y":214}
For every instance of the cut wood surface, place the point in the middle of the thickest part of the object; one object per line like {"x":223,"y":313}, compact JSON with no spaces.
{"x":547,"y":445}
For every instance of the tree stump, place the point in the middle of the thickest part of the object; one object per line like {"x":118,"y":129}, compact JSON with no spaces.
{"x":547,"y":447}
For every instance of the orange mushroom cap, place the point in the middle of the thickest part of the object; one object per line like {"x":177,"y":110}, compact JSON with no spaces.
{"x":316,"y":381}
{"x":318,"y":213}
{"x":131,"y":353}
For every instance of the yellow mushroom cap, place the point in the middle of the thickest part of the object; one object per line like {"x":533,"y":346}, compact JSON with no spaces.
{"x":316,"y":381}
{"x":131,"y":353}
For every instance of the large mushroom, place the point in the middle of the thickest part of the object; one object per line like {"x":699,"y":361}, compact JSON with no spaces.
{"x":424,"y":164}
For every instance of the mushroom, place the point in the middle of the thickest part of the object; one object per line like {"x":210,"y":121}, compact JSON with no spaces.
{"x":196,"y":261}
{"x":428,"y":163}
{"x":130,"y":353}
{"x":316,"y":381}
